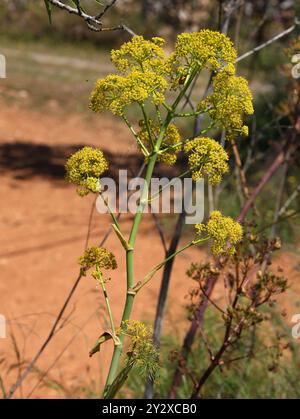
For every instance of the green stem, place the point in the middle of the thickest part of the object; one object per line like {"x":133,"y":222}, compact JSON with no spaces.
{"x":130,"y":260}
{"x":158,"y":114}
{"x":111,"y":320}
{"x":143,"y":148}
{"x":156,"y":195}
{"x":111,"y":213}
{"x":180,"y":143}
{"x":153,"y":271}
{"x":183,"y":174}
{"x":147,"y":124}
{"x":188,"y":114}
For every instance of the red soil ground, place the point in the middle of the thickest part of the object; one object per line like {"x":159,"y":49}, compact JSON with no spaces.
{"x":43,"y":226}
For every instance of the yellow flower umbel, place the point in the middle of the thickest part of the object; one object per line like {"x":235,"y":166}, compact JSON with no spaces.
{"x":143,"y":69}
{"x":115,"y":92}
{"x":84,"y":169}
{"x":142,"y":352}
{"x":141,"y":54}
{"x":206,"y":157}
{"x":99,"y":258}
{"x":204,"y":49}
{"x":170,"y":145}
{"x":229,"y":103}
{"x":137,"y":330}
{"x":224,"y":232}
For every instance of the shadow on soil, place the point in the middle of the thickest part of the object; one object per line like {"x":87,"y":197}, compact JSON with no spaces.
{"x":27,"y":160}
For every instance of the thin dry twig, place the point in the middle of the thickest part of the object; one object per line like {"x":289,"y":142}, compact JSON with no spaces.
{"x":93,"y":22}
{"x":289,"y":200}
{"x":44,"y":374}
{"x":270,"y":41}
{"x":267,"y":176}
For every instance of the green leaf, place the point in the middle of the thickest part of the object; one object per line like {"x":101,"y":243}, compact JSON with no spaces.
{"x":103,"y":338}
{"x":118,"y":381}
{"x":49,"y":10}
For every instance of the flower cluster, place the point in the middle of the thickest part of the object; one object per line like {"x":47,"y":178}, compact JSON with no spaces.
{"x":204,"y":49}
{"x":206,"y":157}
{"x":137,"y":331}
{"x":229,"y":103}
{"x":140,"y":53}
{"x":143,"y":69}
{"x":170,"y":146}
{"x":224,"y":232}
{"x":99,"y":258}
{"x":84,"y":169}
{"x":115,"y":92}
{"x":142,"y":352}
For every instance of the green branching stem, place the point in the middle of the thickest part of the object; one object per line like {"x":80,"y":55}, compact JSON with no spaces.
{"x":111,"y":213}
{"x":143,"y":148}
{"x":182,"y":143}
{"x":153,"y":271}
{"x":115,"y":225}
{"x":158,"y":114}
{"x":169,"y":184}
{"x":131,"y":292}
{"x":107,"y":303}
{"x":182,"y":175}
{"x":147,"y":123}
{"x":189,"y":114}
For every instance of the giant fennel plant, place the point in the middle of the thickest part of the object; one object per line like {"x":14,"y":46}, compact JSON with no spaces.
{"x":146,"y":78}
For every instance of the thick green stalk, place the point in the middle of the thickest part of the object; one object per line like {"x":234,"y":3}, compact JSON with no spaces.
{"x":129,"y":257}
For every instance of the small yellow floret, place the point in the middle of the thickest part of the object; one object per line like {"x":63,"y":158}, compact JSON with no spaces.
{"x":84,"y":169}
{"x":245,"y":131}
{"x":230,"y":101}
{"x":143,"y":353}
{"x":140,"y":53}
{"x":224,"y":232}
{"x":97,"y":257}
{"x":137,"y":330}
{"x":204,"y":49}
{"x":206,"y":157}
{"x":115,"y":92}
